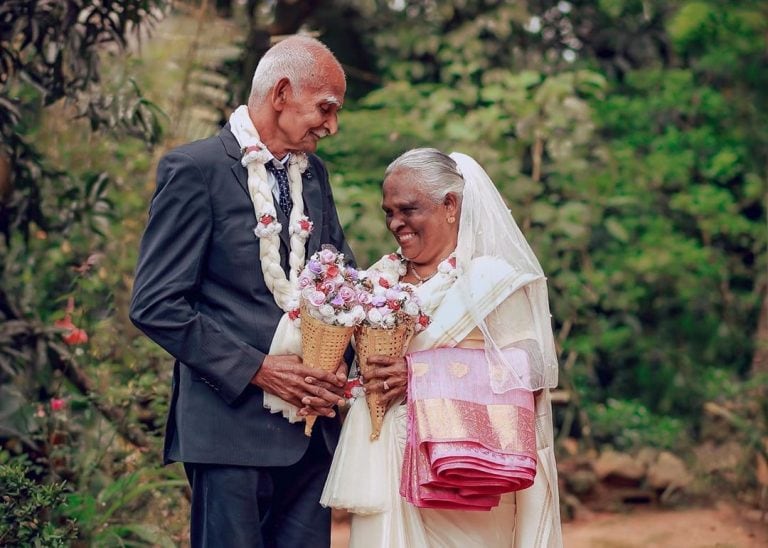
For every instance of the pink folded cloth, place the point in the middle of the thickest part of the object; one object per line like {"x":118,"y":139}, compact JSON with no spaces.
{"x":465,"y":446}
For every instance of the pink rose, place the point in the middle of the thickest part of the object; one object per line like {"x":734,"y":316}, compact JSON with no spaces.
{"x":317,"y":298}
{"x":347,"y":294}
{"x":328,"y":287}
{"x":327,"y":256}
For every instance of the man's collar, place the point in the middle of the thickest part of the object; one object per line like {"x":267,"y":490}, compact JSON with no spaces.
{"x":283,"y":162}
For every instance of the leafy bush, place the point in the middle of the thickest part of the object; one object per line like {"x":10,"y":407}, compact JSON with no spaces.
{"x":628,"y":425}
{"x":29,"y":509}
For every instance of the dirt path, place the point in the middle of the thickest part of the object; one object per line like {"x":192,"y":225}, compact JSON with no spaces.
{"x":720,"y":527}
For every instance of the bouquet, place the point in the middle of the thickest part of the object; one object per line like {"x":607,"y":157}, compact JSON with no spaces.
{"x":329,"y":311}
{"x":392,"y":314}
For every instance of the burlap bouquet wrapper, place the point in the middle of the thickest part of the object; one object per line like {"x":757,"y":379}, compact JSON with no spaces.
{"x":378,"y":341}
{"x":322,"y":347}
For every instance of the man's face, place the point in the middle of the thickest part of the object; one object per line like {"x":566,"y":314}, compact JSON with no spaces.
{"x":311,"y":113}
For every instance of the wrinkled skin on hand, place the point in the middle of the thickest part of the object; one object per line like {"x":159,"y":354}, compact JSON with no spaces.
{"x":392,"y":370}
{"x":315,"y":391}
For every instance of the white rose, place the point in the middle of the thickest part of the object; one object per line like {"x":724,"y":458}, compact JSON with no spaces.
{"x":374,"y":316}
{"x":357,"y":313}
{"x":411,"y":308}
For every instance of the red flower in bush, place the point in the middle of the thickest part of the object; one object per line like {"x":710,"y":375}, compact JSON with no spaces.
{"x":57,"y":404}
{"x":74,"y":335}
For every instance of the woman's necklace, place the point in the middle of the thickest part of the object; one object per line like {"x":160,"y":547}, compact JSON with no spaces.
{"x":423,"y":279}
{"x":416,"y":274}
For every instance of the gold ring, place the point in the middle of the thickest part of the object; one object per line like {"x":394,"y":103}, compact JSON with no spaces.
{"x":386,"y":386}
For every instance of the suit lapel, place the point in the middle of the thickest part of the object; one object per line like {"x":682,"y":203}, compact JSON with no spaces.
{"x":313,"y":204}
{"x":233,"y":151}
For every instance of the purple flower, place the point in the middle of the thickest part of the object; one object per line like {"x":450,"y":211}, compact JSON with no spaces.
{"x":315,"y":267}
{"x":337,"y":301}
{"x":378,"y":300}
{"x":352,"y":273}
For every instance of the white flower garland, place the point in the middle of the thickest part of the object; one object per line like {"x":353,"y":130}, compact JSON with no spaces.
{"x":255,"y":155}
{"x":394,"y":267}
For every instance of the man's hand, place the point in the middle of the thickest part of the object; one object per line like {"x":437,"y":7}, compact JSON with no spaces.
{"x":337,"y":387}
{"x":288,"y":378}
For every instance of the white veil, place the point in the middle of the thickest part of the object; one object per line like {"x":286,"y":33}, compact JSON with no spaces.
{"x":487,"y":229}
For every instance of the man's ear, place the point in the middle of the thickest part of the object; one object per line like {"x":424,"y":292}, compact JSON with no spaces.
{"x":280,"y":94}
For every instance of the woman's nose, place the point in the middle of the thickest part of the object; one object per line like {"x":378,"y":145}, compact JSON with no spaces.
{"x":394,"y":224}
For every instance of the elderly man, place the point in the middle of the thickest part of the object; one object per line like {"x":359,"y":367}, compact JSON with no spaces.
{"x":232,"y":220}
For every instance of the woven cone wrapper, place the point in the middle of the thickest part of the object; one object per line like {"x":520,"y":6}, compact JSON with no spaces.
{"x":322,"y":347}
{"x":377,"y":341}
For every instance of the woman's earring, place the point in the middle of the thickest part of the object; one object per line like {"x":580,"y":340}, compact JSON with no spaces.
{"x":451,"y":220}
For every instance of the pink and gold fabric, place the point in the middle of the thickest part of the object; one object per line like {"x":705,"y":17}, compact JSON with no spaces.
{"x":466,"y":445}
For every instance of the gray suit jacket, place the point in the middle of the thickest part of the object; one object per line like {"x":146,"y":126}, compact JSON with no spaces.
{"x":199,"y":293}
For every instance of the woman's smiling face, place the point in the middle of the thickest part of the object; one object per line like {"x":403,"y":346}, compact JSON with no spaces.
{"x":420,"y":226}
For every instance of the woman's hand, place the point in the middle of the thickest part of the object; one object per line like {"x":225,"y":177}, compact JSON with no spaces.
{"x":389,"y":377}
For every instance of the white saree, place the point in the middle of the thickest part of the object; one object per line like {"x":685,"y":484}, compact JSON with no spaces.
{"x":365,"y":476}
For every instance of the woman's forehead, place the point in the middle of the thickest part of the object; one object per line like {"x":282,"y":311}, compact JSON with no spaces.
{"x":402,"y":192}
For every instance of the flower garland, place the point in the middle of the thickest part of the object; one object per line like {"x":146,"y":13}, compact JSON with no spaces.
{"x":267,"y":229}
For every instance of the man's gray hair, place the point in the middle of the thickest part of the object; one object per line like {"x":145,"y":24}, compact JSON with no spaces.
{"x":430,"y":170}
{"x":295,"y":58}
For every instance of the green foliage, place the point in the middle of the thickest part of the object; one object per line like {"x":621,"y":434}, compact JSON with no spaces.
{"x":643,"y":199}
{"x":629,"y":425}
{"x":95,"y":515}
{"x":628,"y":138}
{"x":28,"y":508}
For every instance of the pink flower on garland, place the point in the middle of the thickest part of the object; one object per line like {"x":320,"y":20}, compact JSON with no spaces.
{"x":267,"y":226}
{"x":303,"y":227}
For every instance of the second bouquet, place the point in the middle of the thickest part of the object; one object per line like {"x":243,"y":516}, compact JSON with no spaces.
{"x":392,"y":315}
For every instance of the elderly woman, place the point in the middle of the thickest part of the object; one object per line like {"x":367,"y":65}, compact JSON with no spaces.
{"x":473,"y":387}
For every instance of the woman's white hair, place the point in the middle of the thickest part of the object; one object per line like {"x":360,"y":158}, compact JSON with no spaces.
{"x":301,"y":59}
{"x":430,"y":170}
